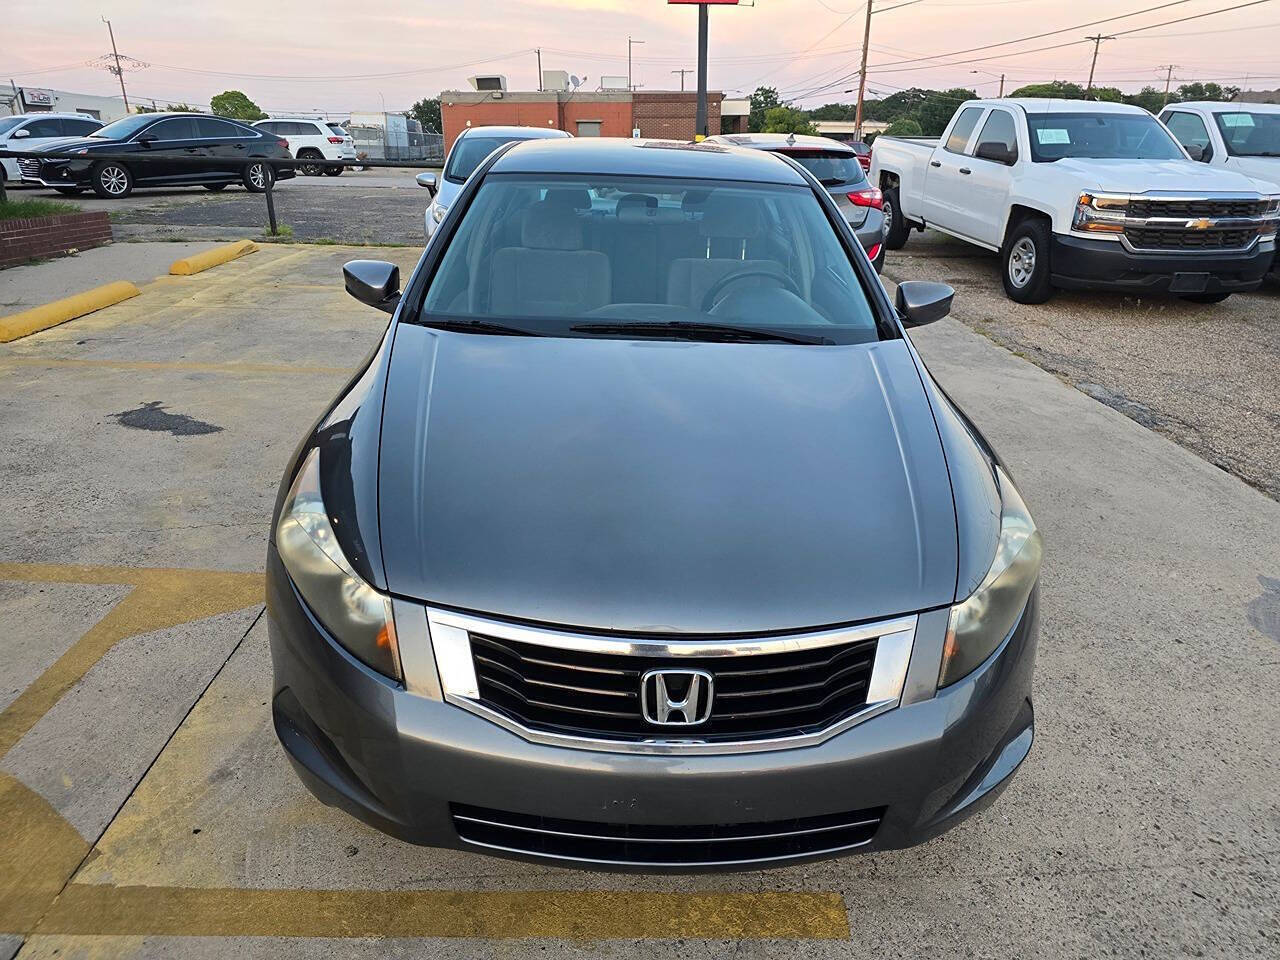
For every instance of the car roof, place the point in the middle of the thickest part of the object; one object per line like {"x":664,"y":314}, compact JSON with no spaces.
{"x":1055,"y":105}
{"x":659,"y":158}
{"x":782,"y":141}
{"x":531,"y":133}
{"x":60,"y":115}
{"x":1219,"y":106}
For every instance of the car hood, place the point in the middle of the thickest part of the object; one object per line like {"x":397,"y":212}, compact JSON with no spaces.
{"x":66,"y":144}
{"x":1143,"y":176}
{"x":1265,"y":171}
{"x":662,"y":486}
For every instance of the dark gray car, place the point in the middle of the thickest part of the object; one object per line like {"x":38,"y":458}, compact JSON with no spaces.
{"x":837,"y":167}
{"x":645,"y":540}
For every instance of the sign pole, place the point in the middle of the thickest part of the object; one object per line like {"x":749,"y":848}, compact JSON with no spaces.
{"x":700,"y":124}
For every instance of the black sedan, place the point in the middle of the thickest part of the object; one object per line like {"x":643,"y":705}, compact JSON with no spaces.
{"x":160,"y":150}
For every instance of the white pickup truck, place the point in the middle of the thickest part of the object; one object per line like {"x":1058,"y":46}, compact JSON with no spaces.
{"x":1238,"y":136}
{"x":1079,"y":194}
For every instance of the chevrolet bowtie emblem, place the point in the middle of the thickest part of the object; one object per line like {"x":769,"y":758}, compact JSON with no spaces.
{"x":1200,"y":224}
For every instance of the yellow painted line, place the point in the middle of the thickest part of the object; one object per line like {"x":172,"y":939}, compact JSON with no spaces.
{"x":177,"y":365}
{"x":161,"y":598}
{"x":91,"y":909}
{"x":39,"y":852}
{"x":198,"y":262}
{"x":60,"y":311}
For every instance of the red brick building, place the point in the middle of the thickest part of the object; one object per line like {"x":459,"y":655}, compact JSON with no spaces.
{"x":666,"y":114}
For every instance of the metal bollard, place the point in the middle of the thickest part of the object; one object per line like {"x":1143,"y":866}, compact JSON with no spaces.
{"x":271,"y":203}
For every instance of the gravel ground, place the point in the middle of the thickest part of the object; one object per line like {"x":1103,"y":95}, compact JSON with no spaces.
{"x":1206,"y":376}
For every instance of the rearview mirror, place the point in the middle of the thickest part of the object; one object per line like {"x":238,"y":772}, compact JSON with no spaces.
{"x":922,"y":301}
{"x":427,"y":180}
{"x":19,"y":134}
{"x":373,"y":282}
{"x":998,"y":152}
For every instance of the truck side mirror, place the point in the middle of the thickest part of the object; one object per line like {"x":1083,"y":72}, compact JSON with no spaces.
{"x":997,"y":152}
{"x":373,"y":282}
{"x":1199,"y":152}
{"x":922,"y":301}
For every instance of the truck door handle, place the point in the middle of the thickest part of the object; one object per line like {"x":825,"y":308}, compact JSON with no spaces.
{"x":935,"y":163}
{"x":966,"y":171}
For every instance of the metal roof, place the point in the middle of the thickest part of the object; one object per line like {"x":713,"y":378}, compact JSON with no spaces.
{"x":657,"y":158}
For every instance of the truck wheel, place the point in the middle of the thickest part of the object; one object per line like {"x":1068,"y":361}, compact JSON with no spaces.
{"x":1205,"y":297}
{"x":895,"y":237}
{"x":111,"y":180}
{"x":1026,"y":262}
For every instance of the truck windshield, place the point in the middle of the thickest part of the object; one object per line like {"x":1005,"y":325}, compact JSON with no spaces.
{"x":644,"y":257}
{"x":1103,"y":136}
{"x":1249,"y":134}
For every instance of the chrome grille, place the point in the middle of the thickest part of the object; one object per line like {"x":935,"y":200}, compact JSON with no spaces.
{"x":30,"y":167}
{"x":697,"y":845}
{"x":593,"y":694}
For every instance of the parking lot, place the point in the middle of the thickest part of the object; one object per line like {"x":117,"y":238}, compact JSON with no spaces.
{"x":148,"y":799}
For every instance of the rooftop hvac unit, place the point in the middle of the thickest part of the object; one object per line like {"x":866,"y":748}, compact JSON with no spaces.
{"x":555,"y":80}
{"x":488,"y":83}
{"x":613,"y":83}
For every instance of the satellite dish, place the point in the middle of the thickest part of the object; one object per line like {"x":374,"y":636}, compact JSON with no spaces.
{"x":575,"y":81}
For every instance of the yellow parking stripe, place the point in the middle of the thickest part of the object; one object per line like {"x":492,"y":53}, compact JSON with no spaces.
{"x":39,"y":852}
{"x":243,"y":369}
{"x":575,"y":915}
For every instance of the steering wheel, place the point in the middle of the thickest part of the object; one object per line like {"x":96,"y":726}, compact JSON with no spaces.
{"x":713,"y":295}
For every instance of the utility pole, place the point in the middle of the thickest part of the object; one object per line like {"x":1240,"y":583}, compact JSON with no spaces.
{"x":538,"y":51}
{"x":682,"y":73}
{"x":700,"y":119}
{"x":862,"y":74}
{"x":1168,"y":79}
{"x":1097,"y":42}
{"x":116,"y":54}
{"x":630,"y":43}
{"x":1002,"y":84}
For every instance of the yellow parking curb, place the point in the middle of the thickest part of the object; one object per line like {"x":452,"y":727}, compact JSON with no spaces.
{"x":211,"y":258}
{"x":60,"y":311}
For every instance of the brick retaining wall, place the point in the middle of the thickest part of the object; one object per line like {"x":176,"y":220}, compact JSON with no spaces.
{"x":27,"y":239}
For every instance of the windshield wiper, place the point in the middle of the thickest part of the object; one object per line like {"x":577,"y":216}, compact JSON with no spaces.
{"x":481,"y":326}
{"x":695,"y":330}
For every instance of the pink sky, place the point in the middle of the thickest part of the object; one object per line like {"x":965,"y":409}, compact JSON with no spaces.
{"x":320,"y":46}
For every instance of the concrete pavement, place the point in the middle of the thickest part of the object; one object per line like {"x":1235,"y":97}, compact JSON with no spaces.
{"x":143,"y":768}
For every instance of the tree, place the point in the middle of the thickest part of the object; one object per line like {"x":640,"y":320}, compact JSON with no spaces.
{"x":1056,"y":89}
{"x":1205,"y":91}
{"x":1150,"y":99}
{"x":904,"y":127}
{"x":834,"y":111}
{"x":427,"y":112}
{"x":937,"y":108}
{"x":762,"y":101}
{"x":234,"y":104}
{"x":787,"y":120}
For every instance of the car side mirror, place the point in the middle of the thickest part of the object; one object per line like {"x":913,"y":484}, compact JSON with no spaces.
{"x":19,"y":134}
{"x":427,"y":180}
{"x":147,"y":139}
{"x":373,"y":282}
{"x":922,"y":301}
{"x":997,"y":152}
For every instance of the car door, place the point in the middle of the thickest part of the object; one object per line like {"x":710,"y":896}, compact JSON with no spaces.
{"x":946,"y":177}
{"x":222,"y":141}
{"x":38,"y":133}
{"x":992,"y":176}
{"x":167,"y":149}
{"x":1190,"y":130}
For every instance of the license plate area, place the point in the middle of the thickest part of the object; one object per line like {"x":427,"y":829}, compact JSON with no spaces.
{"x":1189,"y":283}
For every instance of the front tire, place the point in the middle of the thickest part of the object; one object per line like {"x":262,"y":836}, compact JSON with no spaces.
{"x":1025,"y":262}
{"x":112,"y":180}
{"x":257,"y":176}
{"x":896,"y":236}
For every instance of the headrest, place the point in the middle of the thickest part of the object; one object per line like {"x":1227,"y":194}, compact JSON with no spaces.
{"x":551,"y":226}
{"x":729,"y":216}
{"x":575,"y":198}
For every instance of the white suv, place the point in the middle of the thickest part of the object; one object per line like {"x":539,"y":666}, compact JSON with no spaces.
{"x":28,"y":131}
{"x":313,"y":140}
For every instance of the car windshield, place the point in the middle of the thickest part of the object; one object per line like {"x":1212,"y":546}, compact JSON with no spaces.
{"x":1249,"y":134}
{"x":1107,"y":136}
{"x":642,"y":257}
{"x":124,"y":128}
{"x":831,"y":167}
{"x":469,"y":152}
{"x":8,"y":123}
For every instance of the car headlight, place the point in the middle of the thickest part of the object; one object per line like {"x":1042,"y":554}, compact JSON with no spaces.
{"x":438,"y":212}
{"x":1096,"y":213}
{"x":981,"y":622}
{"x":355,"y":614}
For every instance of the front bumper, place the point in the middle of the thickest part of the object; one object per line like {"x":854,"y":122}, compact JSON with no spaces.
{"x":1080,"y":263}
{"x":401,"y":761}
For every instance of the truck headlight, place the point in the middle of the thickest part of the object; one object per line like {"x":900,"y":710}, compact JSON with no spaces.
{"x":981,"y":622}
{"x":438,"y":212}
{"x":355,"y":614}
{"x":1096,"y":213}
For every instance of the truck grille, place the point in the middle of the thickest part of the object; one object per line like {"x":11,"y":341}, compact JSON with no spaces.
{"x":756,"y":696}
{"x":29,"y":167}
{"x":1190,"y":209}
{"x":639,"y":845}
{"x":1156,"y":238}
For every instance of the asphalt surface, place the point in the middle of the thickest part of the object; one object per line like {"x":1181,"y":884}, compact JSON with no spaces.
{"x":148,"y":811}
{"x":1207,"y":376}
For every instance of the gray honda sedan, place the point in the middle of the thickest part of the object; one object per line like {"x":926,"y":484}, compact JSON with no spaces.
{"x":644,"y":539}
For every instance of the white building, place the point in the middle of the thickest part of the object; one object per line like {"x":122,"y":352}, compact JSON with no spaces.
{"x":44,"y":100}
